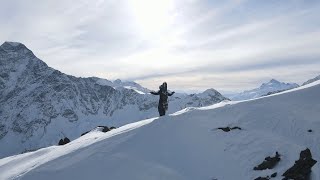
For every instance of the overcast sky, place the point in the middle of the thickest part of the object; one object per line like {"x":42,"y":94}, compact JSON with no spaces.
{"x":229,"y":45}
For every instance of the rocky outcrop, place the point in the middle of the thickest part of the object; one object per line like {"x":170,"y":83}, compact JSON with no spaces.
{"x":268,"y":163}
{"x":227,"y":129}
{"x":267,"y":177}
{"x":64,"y":141}
{"x":100,"y":128}
{"x":302,"y":168}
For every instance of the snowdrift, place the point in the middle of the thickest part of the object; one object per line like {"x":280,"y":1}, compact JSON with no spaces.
{"x":188,"y":144}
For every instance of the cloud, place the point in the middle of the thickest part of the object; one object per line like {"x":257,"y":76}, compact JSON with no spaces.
{"x":227,"y":45}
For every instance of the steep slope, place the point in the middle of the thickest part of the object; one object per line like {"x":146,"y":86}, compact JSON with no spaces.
{"x":311,"y":80}
{"x":39,"y":105}
{"x":273,"y":86}
{"x":188,"y":145}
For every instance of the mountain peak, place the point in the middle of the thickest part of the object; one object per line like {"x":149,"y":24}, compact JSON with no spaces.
{"x":269,"y":87}
{"x":274,"y":81}
{"x":117,"y":81}
{"x":13,"y":46}
{"x":210,"y":91}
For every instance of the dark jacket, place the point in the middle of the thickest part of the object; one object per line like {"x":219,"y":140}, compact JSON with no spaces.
{"x":163,"y":100}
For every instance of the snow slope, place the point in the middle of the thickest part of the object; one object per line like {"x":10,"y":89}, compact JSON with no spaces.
{"x":273,"y":86}
{"x":187,"y":144}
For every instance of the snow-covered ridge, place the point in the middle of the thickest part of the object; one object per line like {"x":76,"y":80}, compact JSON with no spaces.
{"x":187,"y":145}
{"x":40,"y":105}
{"x":311,"y":80}
{"x":273,"y":86}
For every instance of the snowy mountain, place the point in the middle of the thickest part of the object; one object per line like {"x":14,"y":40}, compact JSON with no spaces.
{"x":311,"y":80}
{"x":40,"y":105}
{"x":118,"y":84}
{"x":271,"y":87}
{"x":194,"y":143}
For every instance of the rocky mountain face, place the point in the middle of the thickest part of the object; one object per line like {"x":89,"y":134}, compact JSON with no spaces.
{"x":40,"y":105}
{"x":311,"y":80}
{"x":271,"y":87}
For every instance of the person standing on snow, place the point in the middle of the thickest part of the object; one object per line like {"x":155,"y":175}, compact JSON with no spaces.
{"x":163,"y":100}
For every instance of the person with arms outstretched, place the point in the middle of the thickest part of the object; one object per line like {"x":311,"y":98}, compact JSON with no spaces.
{"x":163,"y":100}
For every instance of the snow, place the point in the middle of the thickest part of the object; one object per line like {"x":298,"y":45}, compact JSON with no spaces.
{"x":272,"y":86}
{"x":311,"y":80}
{"x":9,"y":167}
{"x":135,"y":89}
{"x":186,"y":145}
{"x":118,"y":84}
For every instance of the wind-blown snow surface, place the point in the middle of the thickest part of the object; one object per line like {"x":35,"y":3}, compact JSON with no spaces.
{"x":187,"y":145}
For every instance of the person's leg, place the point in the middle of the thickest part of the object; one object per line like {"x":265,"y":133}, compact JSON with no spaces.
{"x":161,"y":111}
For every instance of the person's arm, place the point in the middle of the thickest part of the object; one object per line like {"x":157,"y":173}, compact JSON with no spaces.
{"x":155,"y":93}
{"x":170,"y":94}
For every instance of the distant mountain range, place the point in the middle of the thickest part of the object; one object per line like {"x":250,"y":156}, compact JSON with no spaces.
{"x":39,"y":105}
{"x":311,"y":80}
{"x":273,"y":86}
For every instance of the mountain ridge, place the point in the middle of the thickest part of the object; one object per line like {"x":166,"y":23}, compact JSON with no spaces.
{"x":270,"y":87}
{"x":311,"y":80}
{"x":39,"y":105}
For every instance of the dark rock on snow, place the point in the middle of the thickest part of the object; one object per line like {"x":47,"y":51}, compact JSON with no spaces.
{"x":61,"y":142}
{"x":267,"y":178}
{"x":100,"y":128}
{"x":274,"y":175}
{"x":84,"y":133}
{"x":302,"y":168}
{"x":104,"y":128}
{"x":262,"y":178}
{"x":268,"y":163}
{"x":227,"y":129}
{"x":64,"y":141}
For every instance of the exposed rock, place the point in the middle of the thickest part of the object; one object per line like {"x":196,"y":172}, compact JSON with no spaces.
{"x":100,"y":128}
{"x":64,"y":141}
{"x":3,"y":131}
{"x":227,"y":129}
{"x":61,"y":142}
{"x":310,"y":130}
{"x":84,"y":133}
{"x":104,"y":128}
{"x":262,"y":178}
{"x":302,"y":168}
{"x":268,"y":163}
{"x":274,"y":175}
{"x":267,"y":178}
